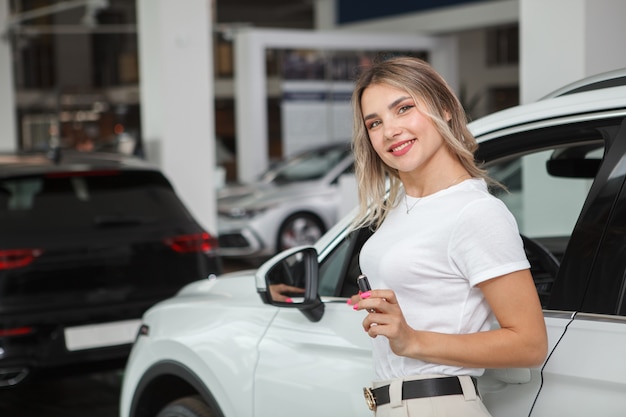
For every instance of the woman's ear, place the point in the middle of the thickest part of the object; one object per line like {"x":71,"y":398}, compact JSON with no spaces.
{"x":447,"y":115}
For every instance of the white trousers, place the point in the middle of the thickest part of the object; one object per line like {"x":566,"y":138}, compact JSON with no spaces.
{"x":468,"y":404}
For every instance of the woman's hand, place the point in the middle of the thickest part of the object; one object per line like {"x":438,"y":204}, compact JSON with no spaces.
{"x":385,"y":318}
{"x":281,"y":292}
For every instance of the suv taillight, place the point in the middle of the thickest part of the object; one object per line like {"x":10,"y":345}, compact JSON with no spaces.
{"x":197,"y":242}
{"x":17,"y":331}
{"x":17,"y":258}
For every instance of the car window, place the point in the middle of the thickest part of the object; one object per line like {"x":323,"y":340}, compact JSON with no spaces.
{"x":339,"y":270}
{"x":606,"y":292}
{"x":546,"y":201}
{"x":307,"y":166}
{"x":549,"y":173}
{"x":75,"y":203}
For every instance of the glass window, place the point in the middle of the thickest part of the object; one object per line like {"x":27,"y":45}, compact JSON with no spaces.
{"x":547,"y":189}
{"x":339,"y":270}
{"x":72,"y":203}
{"x":548,"y":174}
{"x":307,"y":166}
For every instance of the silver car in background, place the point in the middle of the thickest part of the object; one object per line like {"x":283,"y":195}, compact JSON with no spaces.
{"x":293,"y":203}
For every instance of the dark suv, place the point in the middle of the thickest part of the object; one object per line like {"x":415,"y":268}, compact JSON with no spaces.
{"x":87,"y":244}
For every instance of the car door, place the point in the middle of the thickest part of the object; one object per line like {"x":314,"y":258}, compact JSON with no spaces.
{"x":586,"y":374}
{"x":563,"y":197}
{"x":319,"y":368}
{"x":314,"y":369}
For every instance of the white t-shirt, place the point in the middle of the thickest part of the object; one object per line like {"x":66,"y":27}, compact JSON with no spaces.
{"x":433,"y":257}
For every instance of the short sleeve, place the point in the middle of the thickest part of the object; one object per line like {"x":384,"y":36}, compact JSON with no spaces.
{"x":485,"y":242}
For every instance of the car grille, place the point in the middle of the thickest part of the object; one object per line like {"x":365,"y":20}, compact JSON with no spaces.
{"x":233,"y":240}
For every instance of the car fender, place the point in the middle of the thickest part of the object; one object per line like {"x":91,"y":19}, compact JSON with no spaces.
{"x":221,"y":353}
{"x":146,"y":389}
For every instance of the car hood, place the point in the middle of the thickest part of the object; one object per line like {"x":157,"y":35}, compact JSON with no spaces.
{"x":235,"y":192}
{"x":228,"y":285}
{"x":251,"y":195}
{"x":234,"y":288}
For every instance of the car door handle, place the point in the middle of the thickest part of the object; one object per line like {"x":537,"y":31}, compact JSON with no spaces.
{"x":511,"y":375}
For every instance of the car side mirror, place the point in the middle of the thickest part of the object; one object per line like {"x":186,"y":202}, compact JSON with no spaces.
{"x":291,"y":279}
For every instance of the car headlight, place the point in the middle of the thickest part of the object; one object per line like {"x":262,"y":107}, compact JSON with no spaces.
{"x":244,"y":212}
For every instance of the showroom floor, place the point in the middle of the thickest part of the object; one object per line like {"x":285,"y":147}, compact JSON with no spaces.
{"x":93,"y":395}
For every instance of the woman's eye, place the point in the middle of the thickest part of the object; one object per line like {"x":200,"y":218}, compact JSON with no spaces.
{"x":373,"y":124}
{"x":404,"y":108}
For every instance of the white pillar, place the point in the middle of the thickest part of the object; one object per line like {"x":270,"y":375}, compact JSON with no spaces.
{"x":562,"y":41}
{"x":176,"y":91}
{"x":325,"y":14}
{"x":8,"y":138}
{"x":250,"y":105}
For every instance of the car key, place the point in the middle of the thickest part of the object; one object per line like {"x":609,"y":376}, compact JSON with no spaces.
{"x":363,"y":283}
{"x":364,"y":286}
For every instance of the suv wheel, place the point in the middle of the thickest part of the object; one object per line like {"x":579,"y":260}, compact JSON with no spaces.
{"x":186,"y":407}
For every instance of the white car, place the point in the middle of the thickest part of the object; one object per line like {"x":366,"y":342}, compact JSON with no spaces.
{"x":223,"y":347}
{"x":293,"y":203}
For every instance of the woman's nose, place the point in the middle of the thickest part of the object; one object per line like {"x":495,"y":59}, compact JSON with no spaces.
{"x":391,"y":130}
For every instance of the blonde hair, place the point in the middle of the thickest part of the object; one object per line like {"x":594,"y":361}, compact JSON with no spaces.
{"x":427,"y":87}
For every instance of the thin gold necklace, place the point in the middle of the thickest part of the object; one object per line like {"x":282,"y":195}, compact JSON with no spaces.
{"x":406,"y":202}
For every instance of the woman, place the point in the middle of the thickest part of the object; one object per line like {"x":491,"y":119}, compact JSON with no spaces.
{"x":446,"y":259}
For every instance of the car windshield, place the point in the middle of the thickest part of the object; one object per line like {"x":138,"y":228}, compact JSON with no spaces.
{"x":307,"y":166}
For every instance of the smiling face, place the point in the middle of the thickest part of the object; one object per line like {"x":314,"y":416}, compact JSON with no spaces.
{"x":401,"y":134}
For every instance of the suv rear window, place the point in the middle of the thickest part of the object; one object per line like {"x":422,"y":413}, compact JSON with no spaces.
{"x":79,"y":202}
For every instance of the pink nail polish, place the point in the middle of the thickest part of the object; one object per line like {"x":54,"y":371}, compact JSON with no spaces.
{"x":349,"y":301}
{"x":288,"y":300}
{"x":366,"y":294}
{"x":356,"y":306}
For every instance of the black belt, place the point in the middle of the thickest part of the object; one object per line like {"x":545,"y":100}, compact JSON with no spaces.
{"x":419,"y":388}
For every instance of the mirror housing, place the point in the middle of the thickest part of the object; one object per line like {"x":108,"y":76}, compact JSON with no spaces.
{"x":291,"y":279}
{"x":573,"y":167}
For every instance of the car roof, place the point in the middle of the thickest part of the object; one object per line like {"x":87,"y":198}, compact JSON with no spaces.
{"x":575,"y":103}
{"x":27,"y":163}
{"x":595,"y":82}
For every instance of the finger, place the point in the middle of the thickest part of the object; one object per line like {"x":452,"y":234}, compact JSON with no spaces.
{"x":354,"y":300}
{"x":375,"y":319}
{"x":388,"y":295}
{"x":374,"y":327}
{"x":375,"y":305}
{"x":368,"y":324}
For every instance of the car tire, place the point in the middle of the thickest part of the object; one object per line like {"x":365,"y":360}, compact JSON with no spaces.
{"x":186,"y":407}
{"x":299,"y":229}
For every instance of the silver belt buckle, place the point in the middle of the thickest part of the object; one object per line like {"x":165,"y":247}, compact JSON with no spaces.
{"x":370,"y":400}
